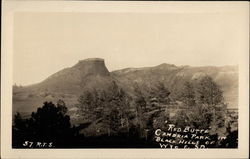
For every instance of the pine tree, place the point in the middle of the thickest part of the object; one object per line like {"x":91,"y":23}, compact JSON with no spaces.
{"x":208,"y":92}
{"x":140,"y":106}
{"x":85,"y":105}
{"x":188,"y":94}
{"x":116,"y":108}
{"x":162,"y":93}
{"x":211,"y":109}
{"x":159,"y":95}
{"x":140,"y":100}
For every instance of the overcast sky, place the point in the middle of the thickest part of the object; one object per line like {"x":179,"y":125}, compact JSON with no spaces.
{"x":45,"y":43}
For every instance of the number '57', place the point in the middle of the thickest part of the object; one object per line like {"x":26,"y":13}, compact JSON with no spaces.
{"x":28,"y":144}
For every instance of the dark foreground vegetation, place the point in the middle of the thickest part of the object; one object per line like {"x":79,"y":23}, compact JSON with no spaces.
{"x":113,"y":119}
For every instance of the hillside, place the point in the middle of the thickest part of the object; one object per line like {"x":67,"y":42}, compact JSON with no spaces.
{"x":174,"y":77}
{"x":69,"y":83}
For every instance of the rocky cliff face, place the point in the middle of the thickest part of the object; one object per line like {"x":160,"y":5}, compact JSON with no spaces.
{"x":92,"y":66}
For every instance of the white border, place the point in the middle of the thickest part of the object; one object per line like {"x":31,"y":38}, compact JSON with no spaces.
{"x":10,"y":7}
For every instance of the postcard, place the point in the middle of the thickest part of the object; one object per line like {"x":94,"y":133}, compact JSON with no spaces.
{"x":127,"y":79}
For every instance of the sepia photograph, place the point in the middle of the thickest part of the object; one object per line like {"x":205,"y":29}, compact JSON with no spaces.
{"x":128,"y":79}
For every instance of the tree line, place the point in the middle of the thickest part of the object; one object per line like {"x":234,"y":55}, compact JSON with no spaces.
{"x":115,"y":113}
